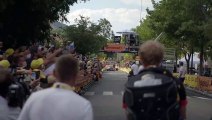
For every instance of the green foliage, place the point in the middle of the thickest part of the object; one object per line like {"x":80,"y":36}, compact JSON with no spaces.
{"x":102,"y":56}
{"x":144,"y":30}
{"x":186,"y":23}
{"x":128,"y":56}
{"x":208,"y":29}
{"x":23,"y":22}
{"x":105,"y":26}
{"x":123,"y":40}
{"x":87,"y":36}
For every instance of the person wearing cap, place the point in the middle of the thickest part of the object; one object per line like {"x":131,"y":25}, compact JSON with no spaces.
{"x":37,"y":64}
{"x":47,"y":78}
{"x":41,"y":61}
{"x":59,"y":102}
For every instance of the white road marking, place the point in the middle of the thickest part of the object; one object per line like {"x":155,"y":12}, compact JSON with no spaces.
{"x":203,"y":98}
{"x":107,"y":93}
{"x":89,"y":93}
{"x":114,"y":73}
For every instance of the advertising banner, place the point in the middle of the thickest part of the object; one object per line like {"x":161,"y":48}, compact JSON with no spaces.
{"x":205,"y":83}
{"x":115,"y":47}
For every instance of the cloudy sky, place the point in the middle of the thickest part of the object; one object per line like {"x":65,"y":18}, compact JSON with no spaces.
{"x":123,"y":14}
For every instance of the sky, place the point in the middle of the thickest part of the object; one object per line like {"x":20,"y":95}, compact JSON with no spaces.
{"x":122,"y":14}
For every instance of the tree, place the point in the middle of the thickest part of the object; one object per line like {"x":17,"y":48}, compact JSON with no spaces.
{"x":24,"y":22}
{"x":208,"y":29}
{"x":177,"y":20}
{"x":144,"y":30}
{"x":87,"y":36}
{"x":203,"y":10}
{"x":102,"y":56}
{"x":128,"y":56}
{"x":105,"y":26}
{"x":165,"y":19}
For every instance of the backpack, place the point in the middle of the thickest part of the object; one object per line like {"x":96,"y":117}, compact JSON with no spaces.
{"x":152,"y":102}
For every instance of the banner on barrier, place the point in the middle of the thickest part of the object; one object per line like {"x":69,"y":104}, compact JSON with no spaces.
{"x":198,"y":82}
{"x":205,"y":83}
{"x":191,"y":81}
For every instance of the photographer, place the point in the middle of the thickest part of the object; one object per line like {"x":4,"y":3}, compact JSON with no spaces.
{"x":9,"y":102}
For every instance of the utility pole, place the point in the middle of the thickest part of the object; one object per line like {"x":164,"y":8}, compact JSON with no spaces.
{"x":141,"y":11}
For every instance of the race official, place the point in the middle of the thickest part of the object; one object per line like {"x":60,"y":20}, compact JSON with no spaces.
{"x":59,"y":102}
{"x":151,"y":54}
{"x":147,"y":82}
{"x":182,"y":72}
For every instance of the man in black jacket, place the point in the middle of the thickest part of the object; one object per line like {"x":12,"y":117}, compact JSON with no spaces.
{"x":151,"y":55}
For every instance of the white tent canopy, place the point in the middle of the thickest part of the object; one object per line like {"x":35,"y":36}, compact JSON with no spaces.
{"x":196,"y":60}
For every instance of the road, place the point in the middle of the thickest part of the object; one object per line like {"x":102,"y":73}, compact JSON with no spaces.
{"x":106,"y":99}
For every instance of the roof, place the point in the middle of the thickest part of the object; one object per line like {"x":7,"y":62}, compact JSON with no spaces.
{"x":127,"y":32}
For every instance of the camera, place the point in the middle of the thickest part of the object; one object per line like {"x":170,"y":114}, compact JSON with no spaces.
{"x":35,"y":75}
{"x":15,"y":95}
{"x":18,"y":91}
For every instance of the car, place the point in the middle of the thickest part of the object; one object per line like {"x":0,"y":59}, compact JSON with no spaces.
{"x":109,"y":68}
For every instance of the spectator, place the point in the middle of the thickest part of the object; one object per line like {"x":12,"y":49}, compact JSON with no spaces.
{"x":135,"y":68}
{"x":8,"y":110}
{"x":20,"y":61}
{"x":59,"y":102}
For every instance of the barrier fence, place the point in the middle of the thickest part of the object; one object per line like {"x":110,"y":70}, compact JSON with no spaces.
{"x":84,"y":80}
{"x":205,"y":83}
{"x":197,"y":82}
{"x":127,"y":70}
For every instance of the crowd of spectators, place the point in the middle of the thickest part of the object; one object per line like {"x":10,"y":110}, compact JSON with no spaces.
{"x":30,"y":68}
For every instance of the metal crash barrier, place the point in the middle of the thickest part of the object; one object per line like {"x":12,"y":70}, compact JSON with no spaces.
{"x":198,"y":82}
{"x":193,"y":81}
{"x":84,"y":81}
{"x":205,"y":84}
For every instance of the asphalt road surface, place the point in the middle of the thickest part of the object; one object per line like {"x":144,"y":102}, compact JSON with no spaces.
{"x":106,"y":99}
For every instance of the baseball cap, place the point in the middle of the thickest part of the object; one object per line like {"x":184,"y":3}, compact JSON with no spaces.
{"x":35,"y":64}
{"x":9,"y":52}
{"x":5,"y":64}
